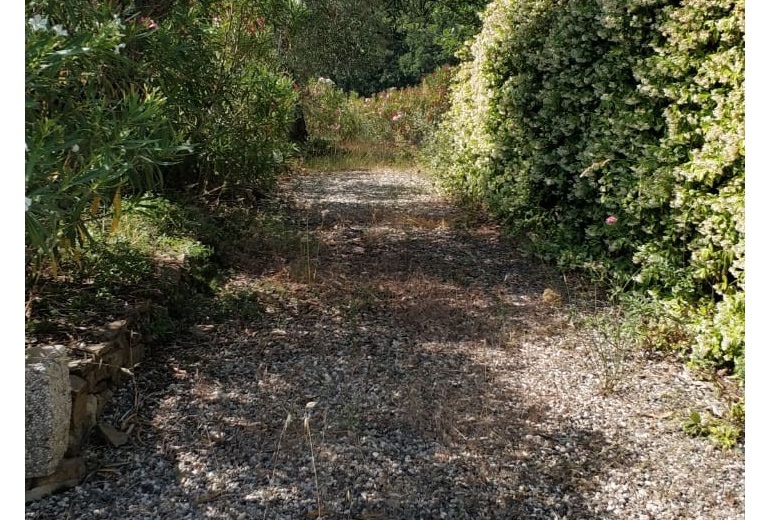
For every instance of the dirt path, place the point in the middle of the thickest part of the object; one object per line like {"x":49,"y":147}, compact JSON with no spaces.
{"x":400,"y":362}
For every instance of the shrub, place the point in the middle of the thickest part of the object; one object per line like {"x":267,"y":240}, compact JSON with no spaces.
{"x":611,"y":134}
{"x":123,"y":101}
{"x":217,"y":63}
{"x":403,"y":117}
{"x":90,"y":127}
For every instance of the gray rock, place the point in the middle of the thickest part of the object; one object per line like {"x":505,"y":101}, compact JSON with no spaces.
{"x":68,"y":474}
{"x":111,"y":435}
{"x":47,"y":405}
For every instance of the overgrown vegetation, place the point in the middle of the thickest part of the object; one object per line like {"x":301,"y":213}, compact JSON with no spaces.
{"x":608,"y":133}
{"x":166,"y":267}
{"x":121,"y":100}
{"x":611,"y":134}
{"x":390,"y":126}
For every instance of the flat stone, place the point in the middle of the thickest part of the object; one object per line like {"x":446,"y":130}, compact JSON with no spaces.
{"x":112,"y":330}
{"x":77,"y":384}
{"x":82,"y":368}
{"x":112,"y":435}
{"x":68,"y":474}
{"x":97,"y":349}
{"x":79,"y":425}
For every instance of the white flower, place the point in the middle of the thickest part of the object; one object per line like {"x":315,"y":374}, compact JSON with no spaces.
{"x":119,"y":23}
{"x":75,"y":148}
{"x":59,"y":30}
{"x":118,"y":47}
{"x":27,"y":203}
{"x":38,"y":23}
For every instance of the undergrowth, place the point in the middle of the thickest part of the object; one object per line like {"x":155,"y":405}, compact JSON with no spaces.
{"x":166,"y":267}
{"x":621,"y":327}
{"x":347,"y":131}
{"x":353,"y":155}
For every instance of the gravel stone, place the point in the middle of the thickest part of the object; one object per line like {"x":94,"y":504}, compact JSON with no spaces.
{"x":444,"y":387}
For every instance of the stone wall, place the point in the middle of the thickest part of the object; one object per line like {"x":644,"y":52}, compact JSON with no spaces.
{"x":66,"y":391}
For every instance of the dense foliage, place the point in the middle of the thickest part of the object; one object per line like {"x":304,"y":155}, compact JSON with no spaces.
{"x":370,"y":46}
{"x":397,"y":117}
{"x":122,"y":100}
{"x":611,"y":133}
{"x":217,"y":63}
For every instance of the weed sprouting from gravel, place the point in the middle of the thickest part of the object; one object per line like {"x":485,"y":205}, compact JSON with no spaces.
{"x":610,"y":339}
{"x":274,"y":458}
{"x":308,"y":410}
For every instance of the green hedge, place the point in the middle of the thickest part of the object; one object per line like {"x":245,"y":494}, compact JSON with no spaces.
{"x":611,"y":132}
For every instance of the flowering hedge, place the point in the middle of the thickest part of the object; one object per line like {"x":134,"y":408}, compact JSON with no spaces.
{"x":611,"y":132}
{"x":89,"y":129}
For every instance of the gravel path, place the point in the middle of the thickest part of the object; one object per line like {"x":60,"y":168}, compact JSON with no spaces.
{"x":405,"y":363}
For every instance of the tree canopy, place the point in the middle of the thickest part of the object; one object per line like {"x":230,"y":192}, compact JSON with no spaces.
{"x":369,"y":45}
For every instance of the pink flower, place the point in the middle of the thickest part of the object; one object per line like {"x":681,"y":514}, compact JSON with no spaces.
{"x":149,"y":23}
{"x":396,"y":117}
{"x":611,"y":219}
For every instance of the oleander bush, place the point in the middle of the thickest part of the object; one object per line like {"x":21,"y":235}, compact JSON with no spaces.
{"x":217,"y":63}
{"x":610,"y":133}
{"x":123,"y":99}
{"x":91,"y":126}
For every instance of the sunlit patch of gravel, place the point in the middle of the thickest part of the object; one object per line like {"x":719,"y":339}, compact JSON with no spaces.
{"x":418,"y":374}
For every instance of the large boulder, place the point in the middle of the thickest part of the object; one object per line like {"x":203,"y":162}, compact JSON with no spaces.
{"x":48,"y":405}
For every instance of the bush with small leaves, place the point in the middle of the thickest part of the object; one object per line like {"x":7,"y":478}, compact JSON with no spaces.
{"x":611,"y":134}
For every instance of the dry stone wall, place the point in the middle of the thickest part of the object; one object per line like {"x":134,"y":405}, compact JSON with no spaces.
{"x":66,"y":391}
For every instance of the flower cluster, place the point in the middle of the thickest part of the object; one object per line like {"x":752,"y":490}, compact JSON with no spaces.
{"x":40,"y":23}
